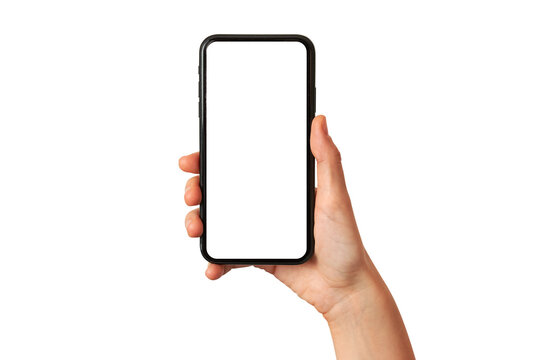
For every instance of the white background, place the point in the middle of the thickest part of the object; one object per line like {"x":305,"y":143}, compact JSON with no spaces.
{"x":256,"y":141}
{"x":434,"y":106}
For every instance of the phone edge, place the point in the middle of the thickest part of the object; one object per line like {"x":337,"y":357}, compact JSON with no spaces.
{"x":311,"y":110}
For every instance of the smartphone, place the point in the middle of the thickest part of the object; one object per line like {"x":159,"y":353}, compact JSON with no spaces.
{"x":256,"y":104}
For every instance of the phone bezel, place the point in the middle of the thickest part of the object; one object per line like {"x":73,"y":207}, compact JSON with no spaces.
{"x":311,"y":109}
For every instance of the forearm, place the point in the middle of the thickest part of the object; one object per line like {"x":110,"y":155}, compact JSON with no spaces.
{"x":367,"y":324}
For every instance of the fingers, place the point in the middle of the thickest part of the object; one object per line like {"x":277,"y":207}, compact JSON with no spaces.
{"x":215,"y":271}
{"x":328,"y":159}
{"x":193,"y":224}
{"x":190,"y":163}
{"x":193,"y":194}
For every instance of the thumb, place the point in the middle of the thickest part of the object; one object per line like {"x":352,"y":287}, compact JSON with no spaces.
{"x":328,"y":160}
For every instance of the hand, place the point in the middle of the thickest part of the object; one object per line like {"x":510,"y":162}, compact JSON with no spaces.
{"x":339,"y":279}
{"x":336,"y":267}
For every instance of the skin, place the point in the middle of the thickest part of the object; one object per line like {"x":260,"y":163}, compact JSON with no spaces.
{"x":340,"y":280}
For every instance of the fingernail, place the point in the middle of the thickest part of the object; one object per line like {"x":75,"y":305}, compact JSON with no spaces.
{"x":187,"y":223}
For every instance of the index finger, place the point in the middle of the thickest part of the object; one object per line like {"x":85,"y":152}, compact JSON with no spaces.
{"x":189,"y":163}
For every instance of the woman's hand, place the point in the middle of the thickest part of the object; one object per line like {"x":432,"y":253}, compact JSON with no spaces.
{"x":339,"y":280}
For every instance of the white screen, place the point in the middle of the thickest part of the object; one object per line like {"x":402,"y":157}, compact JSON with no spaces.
{"x":256,"y":141}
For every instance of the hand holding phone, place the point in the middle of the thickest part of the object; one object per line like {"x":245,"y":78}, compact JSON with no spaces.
{"x":339,"y":258}
{"x":339,"y":280}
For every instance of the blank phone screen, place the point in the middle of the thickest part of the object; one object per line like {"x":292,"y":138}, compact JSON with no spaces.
{"x":256,"y":150}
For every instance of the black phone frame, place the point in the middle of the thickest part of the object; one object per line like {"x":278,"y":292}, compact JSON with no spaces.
{"x":311,"y":109}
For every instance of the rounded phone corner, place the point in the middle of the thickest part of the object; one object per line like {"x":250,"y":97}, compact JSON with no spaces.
{"x":306,"y":257}
{"x":305,"y":41}
{"x":207,"y":41}
{"x":205,"y":254}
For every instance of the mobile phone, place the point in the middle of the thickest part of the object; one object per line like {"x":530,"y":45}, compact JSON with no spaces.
{"x":256,"y":104}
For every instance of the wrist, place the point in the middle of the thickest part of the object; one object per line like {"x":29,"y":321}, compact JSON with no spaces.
{"x":366,"y":322}
{"x":367,"y":286}
{"x":369,"y":291}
